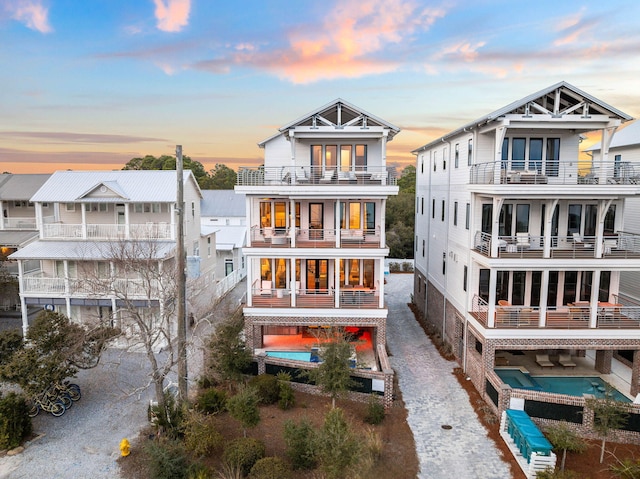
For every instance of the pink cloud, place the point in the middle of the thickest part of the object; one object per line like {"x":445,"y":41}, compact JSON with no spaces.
{"x":172,"y":15}
{"x":30,"y":12}
{"x":346,"y":43}
{"x":572,"y":29}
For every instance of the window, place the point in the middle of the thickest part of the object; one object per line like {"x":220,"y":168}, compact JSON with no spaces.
{"x":345,"y":157}
{"x":298,"y":214}
{"x":433,"y":208}
{"x":535,"y":154}
{"x":70,"y":207}
{"x":522,"y":218}
{"x":444,"y":159}
{"x":196,"y":248}
{"x":156,"y":207}
{"x":455,"y":213}
{"x":442,"y":212}
{"x":574,"y":220}
{"x":370,"y":217}
{"x":505,"y":221}
{"x":617,"y":159}
{"x":465,"y":274}
{"x":519,"y":285}
{"x":552,"y":161}
{"x":209,"y":246}
{"x":421,"y":163}
{"x":228,"y":266}
{"x":456,"y":155}
{"x":137,"y":207}
{"x":434,"y":164}
{"x":518,"y":153}
{"x":483,"y":284}
{"x":423,"y":247}
{"x":265,"y":214}
{"x":193,"y":209}
{"x":470,"y":152}
{"x":361,"y":157}
{"x":354,"y":216}
{"x":422,"y":205}
{"x":280,"y":216}
{"x":504,"y":155}
{"x":416,"y":243}
{"x":610,"y":220}
{"x":331,"y":157}
{"x":467,"y":216}
{"x":444,"y":263}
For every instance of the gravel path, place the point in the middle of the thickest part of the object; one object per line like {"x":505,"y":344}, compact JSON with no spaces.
{"x":434,"y":398}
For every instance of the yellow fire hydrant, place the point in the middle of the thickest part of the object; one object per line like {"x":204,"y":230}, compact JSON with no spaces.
{"x":125,"y":447}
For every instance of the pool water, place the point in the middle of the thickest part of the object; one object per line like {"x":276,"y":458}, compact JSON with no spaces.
{"x":297,"y":355}
{"x":569,"y":385}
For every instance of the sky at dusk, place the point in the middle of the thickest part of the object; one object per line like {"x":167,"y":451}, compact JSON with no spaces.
{"x":90,"y":84}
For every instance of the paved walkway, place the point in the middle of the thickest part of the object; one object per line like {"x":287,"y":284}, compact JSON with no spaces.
{"x":434,"y":398}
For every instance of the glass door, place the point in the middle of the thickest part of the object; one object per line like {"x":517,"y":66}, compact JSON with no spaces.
{"x":317,"y":275}
{"x":316,"y":221}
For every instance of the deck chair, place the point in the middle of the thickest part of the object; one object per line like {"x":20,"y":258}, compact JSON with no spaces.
{"x":301,"y":176}
{"x":327,"y":177}
{"x":266,"y":288}
{"x":565,"y":361}
{"x":522,"y":240}
{"x":543,"y":361}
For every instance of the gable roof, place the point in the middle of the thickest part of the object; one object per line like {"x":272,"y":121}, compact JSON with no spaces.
{"x":338,"y":113}
{"x":19,"y":186}
{"x":628,"y":135}
{"x":134,"y":186}
{"x":222,"y":203}
{"x":92,"y":250}
{"x":570,"y":99}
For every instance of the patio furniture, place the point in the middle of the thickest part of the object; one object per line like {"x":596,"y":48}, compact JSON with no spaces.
{"x":565,"y":361}
{"x":503,"y":302}
{"x":543,"y":361}
{"x":327,"y":177}
{"x":266,"y":288}
{"x":522,"y":241}
{"x":610,"y":244}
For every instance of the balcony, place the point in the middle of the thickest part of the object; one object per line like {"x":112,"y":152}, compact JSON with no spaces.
{"x":147,"y":231}
{"x":39,"y":284}
{"x":562,"y":172}
{"x":350,"y":297}
{"x":620,"y":246}
{"x":19,"y":223}
{"x":315,"y":238}
{"x":570,"y":316}
{"x":316,"y":176}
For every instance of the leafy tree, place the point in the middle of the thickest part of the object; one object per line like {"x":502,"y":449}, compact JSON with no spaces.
{"x":167,"y":162}
{"x":608,"y":415}
{"x":333,"y":374}
{"x":229,"y":357}
{"x":400,"y":216}
{"x":565,"y":439}
{"x":301,"y":444}
{"x":407,"y":180}
{"x":221,"y":178}
{"x":244,"y":407}
{"x":54,"y":350}
{"x":338,"y":448}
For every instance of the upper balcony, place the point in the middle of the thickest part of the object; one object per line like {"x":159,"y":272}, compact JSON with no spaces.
{"x":22,"y":223}
{"x":148,"y":231}
{"x":620,"y":246}
{"x":315,"y":176}
{"x":40,"y":284}
{"x":559,"y":172}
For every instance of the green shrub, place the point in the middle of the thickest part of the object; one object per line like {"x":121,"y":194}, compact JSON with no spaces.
{"x":270,"y":468}
{"x":286,"y":398}
{"x":212,"y":401}
{"x":15,"y":424}
{"x":375,"y":410}
{"x":200,"y":434}
{"x":243,"y":452}
{"x":339,"y":450}
{"x":626,"y":469}
{"x":267,"y":387}
{"x":300,"y":440}
{"x":168,"y":459}
{"x":172,"y":426}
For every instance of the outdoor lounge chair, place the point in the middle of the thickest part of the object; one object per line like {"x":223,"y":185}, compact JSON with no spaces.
{"x":522,"y":241}
{"x":565,"y":361}
{"x":543,"y":361}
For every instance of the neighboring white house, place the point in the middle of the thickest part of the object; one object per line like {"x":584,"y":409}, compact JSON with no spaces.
{"x":97,"y":219}
{"x":223,"y":213}
{"x":625,"y":151}
{"x":316,"y":246}
{"x":519,"y":243}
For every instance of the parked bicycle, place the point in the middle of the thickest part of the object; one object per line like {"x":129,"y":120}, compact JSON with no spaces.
{"x":67,"y":388}
{"x":47,"y":402}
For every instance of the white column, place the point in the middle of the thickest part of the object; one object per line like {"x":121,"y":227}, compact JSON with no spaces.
{"x":292,"y":227}
{"x":336,"y":281}
{"x":593,"y":304}
{"x":380,"y":285}
{"x":292,"y":281}
{"x":247,"y":203}
{"x":544,"y":294}
{"x":23,"y":303}
{"x":249,"y":268}
{"x":83,"y":215}
{"x":2,"y":215}
{"x":491,"y":313}
{"x":126,"y":219}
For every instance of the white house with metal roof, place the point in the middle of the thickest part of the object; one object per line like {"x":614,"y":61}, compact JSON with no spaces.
{"x":520,"y":244}
{"x":101,"y":218}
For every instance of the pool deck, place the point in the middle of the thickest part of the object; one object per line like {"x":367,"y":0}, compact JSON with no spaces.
{"x":620,"y":376}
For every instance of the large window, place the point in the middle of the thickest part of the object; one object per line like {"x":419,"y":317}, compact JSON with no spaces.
{"x":345,"y":157}
{"x":552,"y":162}
{"x":354,"y":216}
{"x":535,"y":154}
{"x":265,"y":214}
{"x":610,"y":221}
{"x":570,"y":286}
{"x":487,"y":213}
{"x":505,"y":222}
{"x":280,"y":216}
{"x":519,"y":285}
{"x":522,"y":218}
{"x":370,"y":216}
{"x":483,"y":284}
{"x":574,"y":219}
{"x":361,"y":157}
{"x":518,"y":154}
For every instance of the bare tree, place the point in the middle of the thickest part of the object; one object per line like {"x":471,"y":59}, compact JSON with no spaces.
{"x":139,"y":277}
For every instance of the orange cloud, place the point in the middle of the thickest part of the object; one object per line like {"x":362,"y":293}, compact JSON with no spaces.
{"x":172,"y":15}
{"x":32,"y":13}
{"x":572,"y":29}
{"x":345,"y":42}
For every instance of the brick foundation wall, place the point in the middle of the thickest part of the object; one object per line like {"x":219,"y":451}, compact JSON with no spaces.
{"x":419,"y":296}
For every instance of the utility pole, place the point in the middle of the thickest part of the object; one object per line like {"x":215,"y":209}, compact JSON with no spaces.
{"x":182,"y":282}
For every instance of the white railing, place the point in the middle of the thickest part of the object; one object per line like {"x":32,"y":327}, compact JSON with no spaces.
{"x":130,"y":288}
{"x":19,"y":223}
{"x":315,"y":175}
{"x":155,"y":231}
{"x":41,"y":285}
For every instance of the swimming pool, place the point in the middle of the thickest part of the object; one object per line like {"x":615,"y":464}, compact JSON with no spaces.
{"x":296,"y":355}
{"x":570,"y":385}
